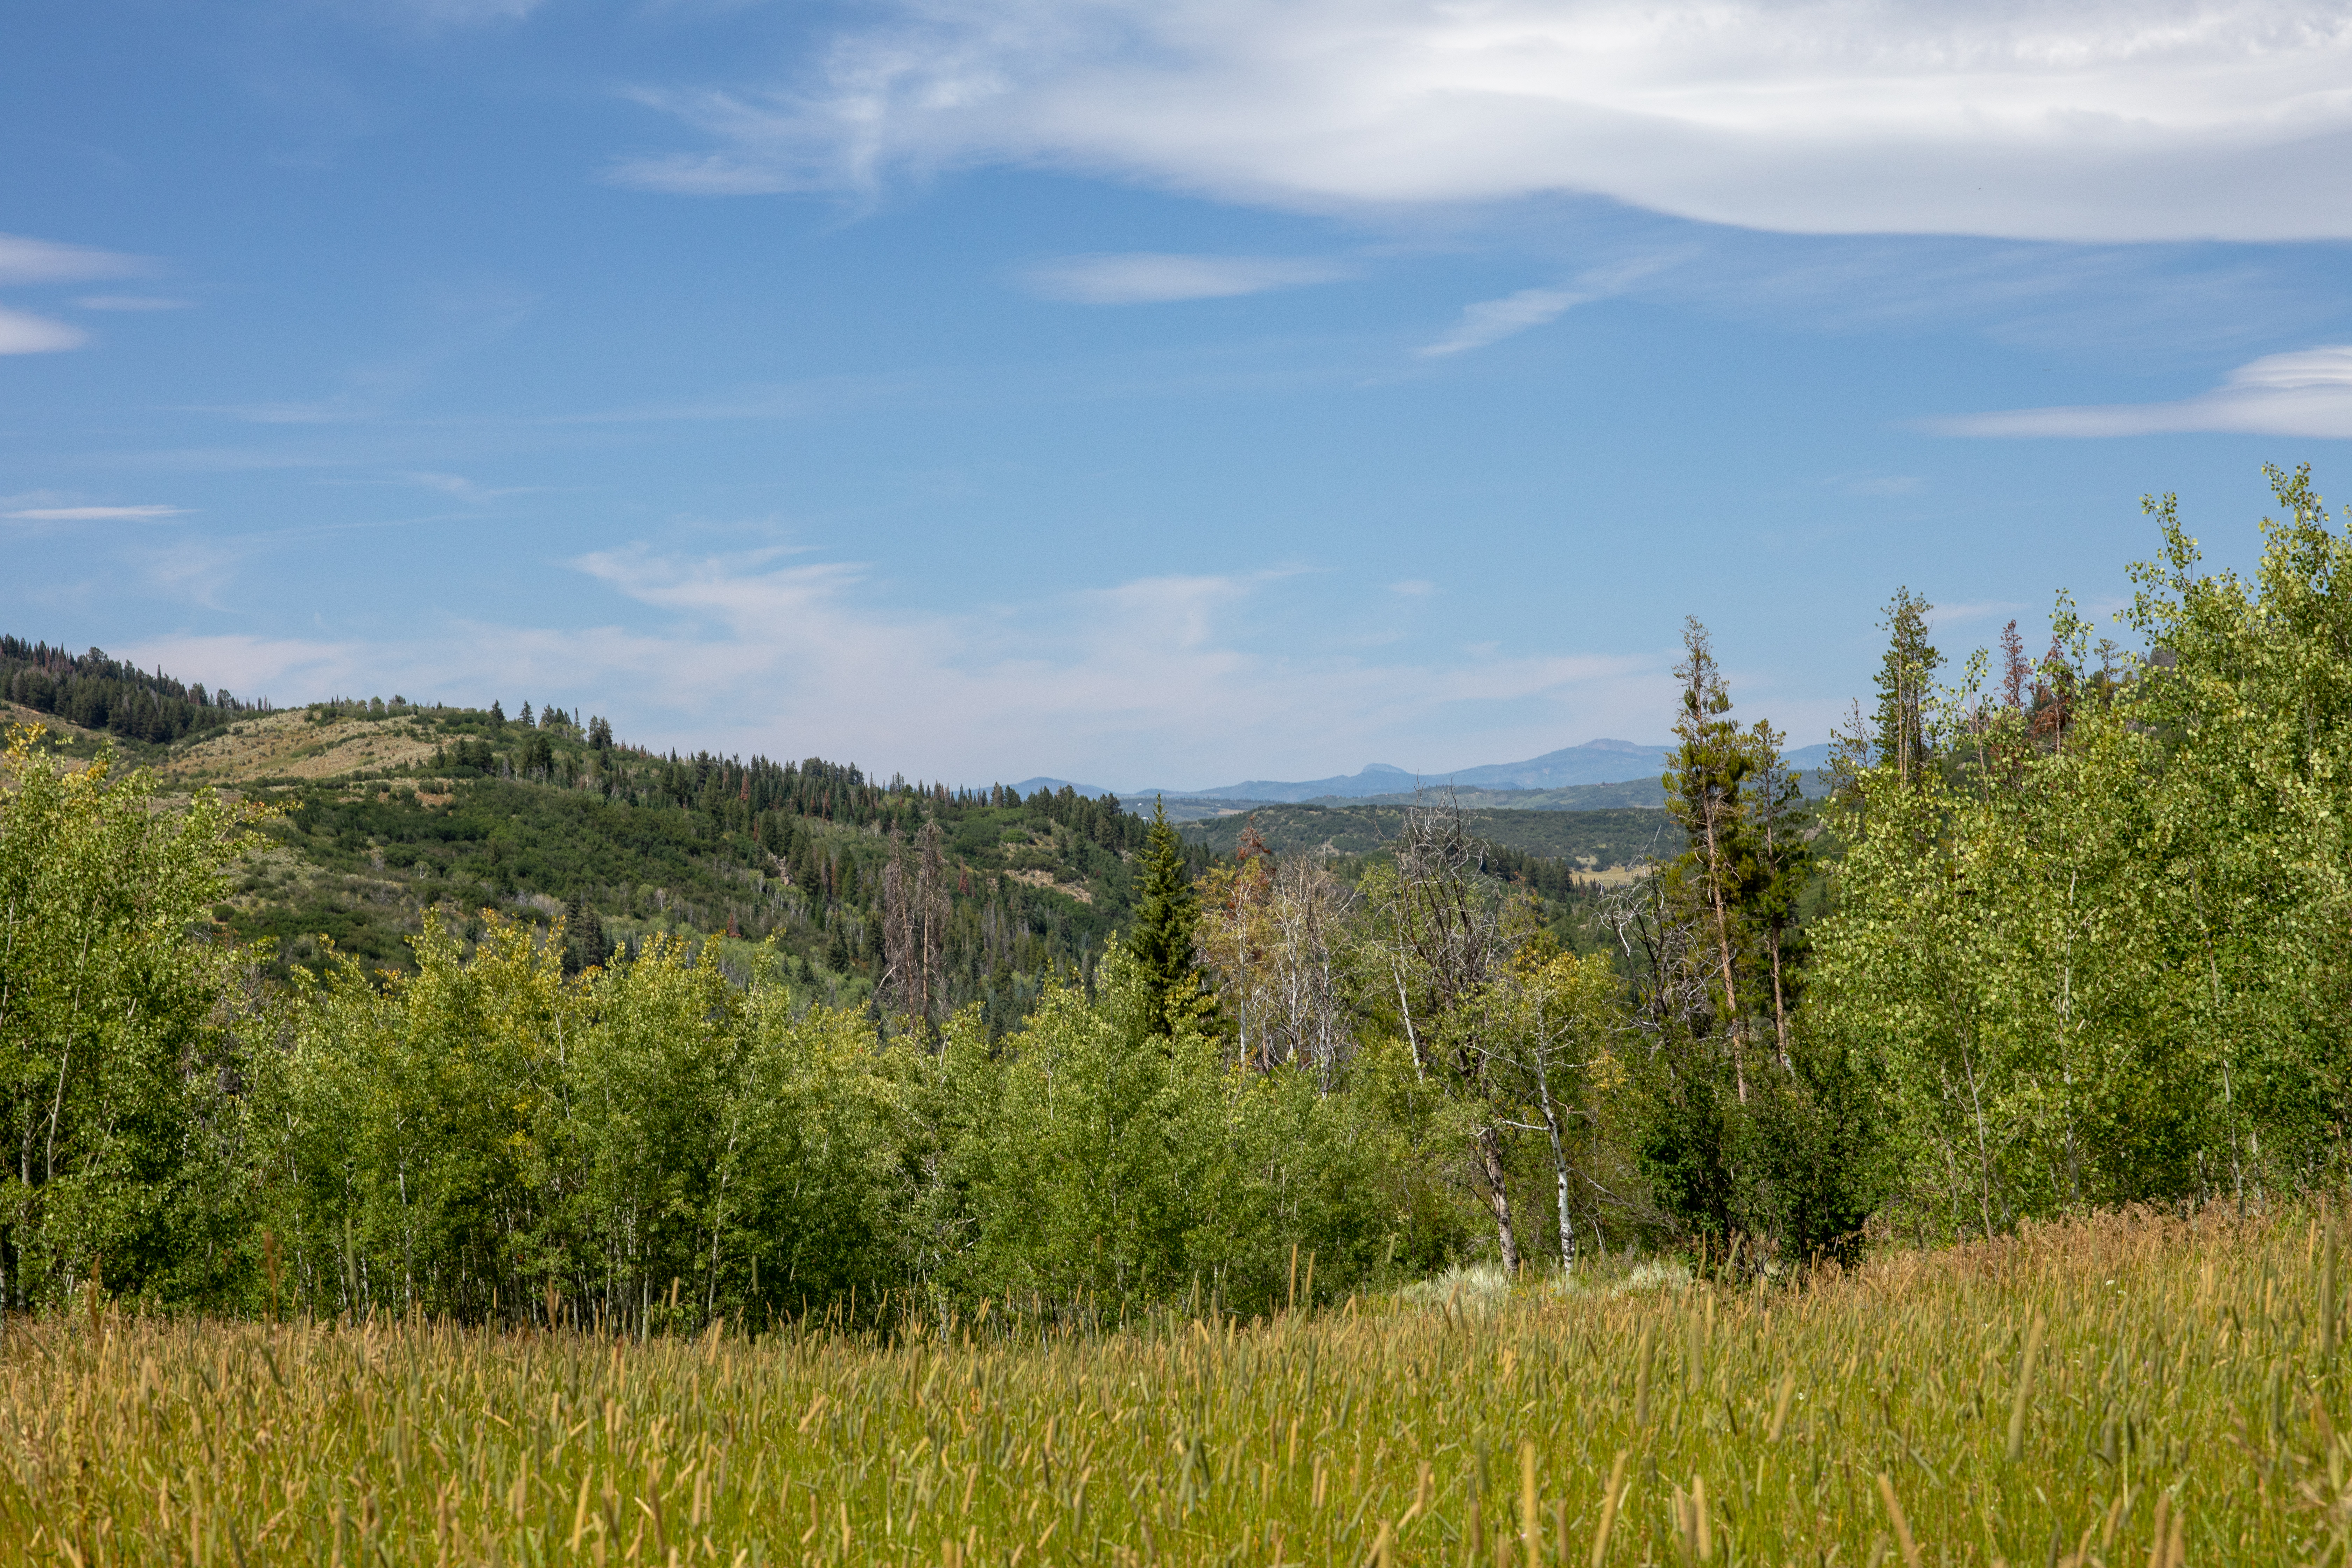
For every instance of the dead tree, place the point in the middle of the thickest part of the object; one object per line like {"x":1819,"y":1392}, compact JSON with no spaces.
{"x":1450,"y":945}
{"x":914,"y":927}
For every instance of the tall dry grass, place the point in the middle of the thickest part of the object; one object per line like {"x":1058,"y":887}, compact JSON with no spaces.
{"x":2182,"y":1400}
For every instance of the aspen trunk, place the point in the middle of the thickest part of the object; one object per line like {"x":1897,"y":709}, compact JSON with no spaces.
{"x":1490,"y":1159}
{"x":1559,"y":1166}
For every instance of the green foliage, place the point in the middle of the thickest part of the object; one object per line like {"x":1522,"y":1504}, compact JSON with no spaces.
{"x":96,"y":692}
{"x":570,"y":1029}
{"x":1595,"y":839}
{"x":1167,"y":922}
{"x":2094,"y":952}
{"x":1906,"y":689}
{"x":123,"y":1038}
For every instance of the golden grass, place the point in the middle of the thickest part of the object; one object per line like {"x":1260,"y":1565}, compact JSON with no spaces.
{"x":2181,"y":1403}
{"x":286,"y":745}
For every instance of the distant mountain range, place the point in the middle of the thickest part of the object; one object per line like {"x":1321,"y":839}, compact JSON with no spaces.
{"x":1595,"y":762}
{"x":1559,"y":777}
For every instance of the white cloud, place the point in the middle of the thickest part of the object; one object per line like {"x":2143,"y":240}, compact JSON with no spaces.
{"x":2078,"y":120}
{"x":1491,"y":320}
{"x":288,"y":670}
{"x":460,"y":488}
{"x":129,"y":302}
{"x":1155,"y":671}
{"x":24,"y":260}
{"x":707,"y":175}
{"x":24,"y":334}
{"x":1150,"y":678}
{"x":1141,"y":278}
{"x":2307,"y":393}
{"x":95,"y":513}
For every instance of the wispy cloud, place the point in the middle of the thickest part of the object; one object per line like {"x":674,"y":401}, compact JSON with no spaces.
{"x":23,"y":261}
{"x":1139,"y":278}
{"x":129,"y":302}
{"x":2076,"y":120}
{"x":460,"y":488}
{"x":1491,"y":320}
{"x":27,"y":260}
{"x":24,"y":334}
{"x":286,"y":669}
{"x":2307,"y":393}
{"x":1155,"y":677}
{"x":95,"y":513}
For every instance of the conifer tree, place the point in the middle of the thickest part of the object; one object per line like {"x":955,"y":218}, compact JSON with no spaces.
{"x":1167,"y":915}
{"x":585,"y":945}
{"x":1902,"y":679}
{"x":1702,"y":794}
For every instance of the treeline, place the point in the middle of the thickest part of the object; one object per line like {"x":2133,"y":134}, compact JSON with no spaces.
{"x":95,"y":693}
{"x":714,"y":847}
{"x":2064,"y":936}
{"x":636,"y":1144}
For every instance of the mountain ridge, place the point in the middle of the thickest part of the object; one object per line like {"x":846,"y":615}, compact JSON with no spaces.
{"x":1603,"y":760}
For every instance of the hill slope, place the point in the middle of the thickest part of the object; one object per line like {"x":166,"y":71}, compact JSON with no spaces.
{"x":387,"y":812}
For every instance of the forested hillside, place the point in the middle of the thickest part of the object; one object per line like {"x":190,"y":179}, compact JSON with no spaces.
{"x":595,"y":1034}
{"x":92,"y":691}
{"x":544,"y":816}
{"x":384,"y":810}
{"x":1603,"y":839}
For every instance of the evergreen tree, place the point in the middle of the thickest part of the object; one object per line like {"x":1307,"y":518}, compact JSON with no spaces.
{"x":1702,"y":794}
{"x":585,"y":945}
{"x":1902,"y":679}
{"x":1167,"y":916}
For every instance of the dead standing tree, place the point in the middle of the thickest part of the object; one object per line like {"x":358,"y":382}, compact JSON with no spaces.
{"x":1308,"y":1020}
{"x":1450,"y":945}
{"x":1276,"y":930}
{"x":914,"y":926}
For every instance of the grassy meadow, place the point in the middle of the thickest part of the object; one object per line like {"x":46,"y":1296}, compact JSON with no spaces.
{"x":2180,"y":1400}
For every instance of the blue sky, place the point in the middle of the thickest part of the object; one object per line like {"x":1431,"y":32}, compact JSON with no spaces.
{"x":1174,"y":391}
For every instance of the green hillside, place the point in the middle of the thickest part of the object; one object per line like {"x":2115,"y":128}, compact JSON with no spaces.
{"x":1591,"y":840}
{"x":1646,"y":792}
{"x":384,"y":810}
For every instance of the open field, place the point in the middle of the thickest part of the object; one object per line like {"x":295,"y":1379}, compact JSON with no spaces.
{"x":2183,"y":1401}
{"x":287,"y":745}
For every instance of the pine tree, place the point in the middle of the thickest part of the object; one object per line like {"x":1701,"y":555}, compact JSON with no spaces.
{"x":585,"y":945}
{"x":1167,"y":916}
{"x":1901,"y":681}
{"x":1703,"y":796}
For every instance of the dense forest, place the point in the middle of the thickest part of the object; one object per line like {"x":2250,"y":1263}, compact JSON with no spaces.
{"x":653,"y":1039}
{"x":95,"y":693}
{"x":550,"y":818}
